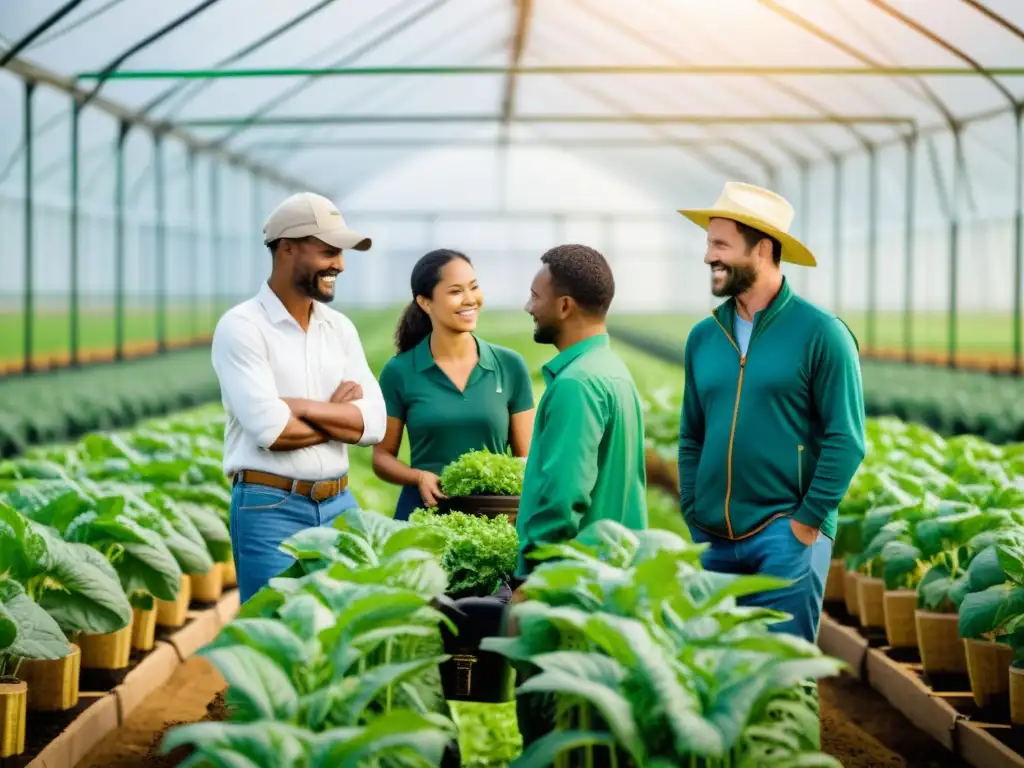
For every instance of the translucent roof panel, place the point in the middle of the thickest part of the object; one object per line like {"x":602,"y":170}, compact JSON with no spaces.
{"x":783,"y":93}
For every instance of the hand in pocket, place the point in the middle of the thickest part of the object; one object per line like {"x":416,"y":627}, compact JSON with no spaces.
{"x":804,"y":533}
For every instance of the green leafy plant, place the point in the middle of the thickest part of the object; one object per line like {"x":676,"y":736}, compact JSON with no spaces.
{"x":649,"y":656}
{"x":27,"y":631}
{"x":480,"y":553}
{"x":482,"y":473}
{"x":72,"y":582}
{"x":997,"y":609}
{"x":323,"y":666}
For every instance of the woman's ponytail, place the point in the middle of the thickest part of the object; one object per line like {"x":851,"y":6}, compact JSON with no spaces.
{"x":414,"y":325}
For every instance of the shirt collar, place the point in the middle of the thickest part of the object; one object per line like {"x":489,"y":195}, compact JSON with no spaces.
{"x":424,"y":359}
{"x":561,"y":361}
{"x":278,"y":313}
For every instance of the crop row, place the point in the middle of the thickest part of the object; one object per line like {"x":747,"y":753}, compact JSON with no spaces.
{"x":950,"y":401}
{"x":102,"y":542}
{"x":356,"y":652}
{"x":930,"y":554}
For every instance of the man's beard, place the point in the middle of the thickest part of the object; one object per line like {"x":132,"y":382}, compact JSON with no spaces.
{"x":545,"y":334}
{"x":739,"y":279}
{"x":310,"y":286}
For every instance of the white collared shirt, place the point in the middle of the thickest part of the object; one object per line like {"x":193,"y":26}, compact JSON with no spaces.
{"x":261,"y":354}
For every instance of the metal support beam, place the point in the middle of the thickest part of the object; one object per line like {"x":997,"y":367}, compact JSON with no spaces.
{"x":471,"y":142}
{"x":257,"y":226}
{"x":954,"y":244}
{"x":515,"y":70}
{"x":1018,"y":246}
{"x":872,"y":260}
{"x":566,"y":119}
{"x":111,"y":67}
{"x":909,"y":215}
{"x":29,"y":224}
{"x":160,"y":195}
{"x":119,"y":240}
{"x":615,"y":24}
{"x":76,"y":120}
{"x":120,"y":112}
{"x":239,"y":54}
{"x":38,"y":30}
{"x":978,"y":68}
{"x":193,"y":272}
{"x":523,"y":16}
{"x":217,"y":256}
{"x":805,"y":218}
{"x":803,"y":23}
{"x":279,"y":100}
{"x":837,"y":233}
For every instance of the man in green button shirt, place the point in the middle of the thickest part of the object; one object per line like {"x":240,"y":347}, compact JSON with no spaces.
{"x":586,"y":460}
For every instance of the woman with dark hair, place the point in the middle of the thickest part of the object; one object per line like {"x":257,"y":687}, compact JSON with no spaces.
{"x":451,"y":390}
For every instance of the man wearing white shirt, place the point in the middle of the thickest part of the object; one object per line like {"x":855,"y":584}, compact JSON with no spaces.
{"x":297,"y":390}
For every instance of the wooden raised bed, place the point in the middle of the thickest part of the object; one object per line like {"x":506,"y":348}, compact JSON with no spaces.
{"x":61,"y":739}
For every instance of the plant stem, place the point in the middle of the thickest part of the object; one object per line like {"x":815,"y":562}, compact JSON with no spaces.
{"x":584,"y":712}
{"x":388,"y":693}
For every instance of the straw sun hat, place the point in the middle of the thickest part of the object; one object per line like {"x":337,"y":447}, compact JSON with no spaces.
{"x":761,"y":209}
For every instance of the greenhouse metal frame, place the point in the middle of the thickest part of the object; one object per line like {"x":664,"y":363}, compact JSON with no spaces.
{"x":727,"y":145}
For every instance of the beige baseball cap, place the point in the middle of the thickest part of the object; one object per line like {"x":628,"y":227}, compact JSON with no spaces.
{"x":308,"y":214}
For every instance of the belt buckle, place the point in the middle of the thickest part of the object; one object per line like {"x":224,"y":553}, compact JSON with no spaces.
{"x":312,"y":490}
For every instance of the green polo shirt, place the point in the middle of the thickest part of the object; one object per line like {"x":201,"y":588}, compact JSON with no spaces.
{"x":586,"y":459}
{"x":444,"y":423}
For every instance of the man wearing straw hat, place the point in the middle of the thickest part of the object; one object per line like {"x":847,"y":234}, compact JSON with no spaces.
{"x":772,"y":425}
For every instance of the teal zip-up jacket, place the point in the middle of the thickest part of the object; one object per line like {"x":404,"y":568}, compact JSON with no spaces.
{"x":778,"y":432}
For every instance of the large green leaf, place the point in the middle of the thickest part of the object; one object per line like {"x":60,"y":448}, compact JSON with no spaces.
{"x":989,"y":610}
{"x":273,"y":639}
{"x":985,"y":570}
{"x":397,"y":732}
{"x":22,"y":548}
{"x":259,"y":744}
{"x":37,"y":635}
{"x":211,"y":528}
{"x":598,"y":679}
{"x":80,"y":589}
{"x":259,"y":687}
{"x":547,"y":749}
{"x":357,"y":693}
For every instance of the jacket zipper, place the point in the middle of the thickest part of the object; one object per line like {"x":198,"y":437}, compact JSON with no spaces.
{"x":732,"y":431}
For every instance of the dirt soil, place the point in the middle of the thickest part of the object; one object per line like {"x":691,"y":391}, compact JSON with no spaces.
{"x":194,"y":693}
{"x":862,"y":730}
{"x":858,"y":726}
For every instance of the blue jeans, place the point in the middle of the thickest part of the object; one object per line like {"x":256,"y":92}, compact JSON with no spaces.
{"x":776,"y":551}
{"x":262,"y":518}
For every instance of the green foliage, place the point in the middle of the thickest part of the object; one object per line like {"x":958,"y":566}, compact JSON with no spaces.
{"x":64,"y":404}
{"x":920,"y":394}
{"x":481,"y":552}
{"x":656,"y":659}
{"x":482,"y":473}
{"x":331,"y":666}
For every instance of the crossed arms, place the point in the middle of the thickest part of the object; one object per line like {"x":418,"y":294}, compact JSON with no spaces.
{"x":355,"y":413}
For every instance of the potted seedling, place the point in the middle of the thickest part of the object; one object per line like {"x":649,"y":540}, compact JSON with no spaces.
{"x":483,"y":483}
{"x":480,"y":558}
{"x":949,"y":542}
{"x":990,"y":615}
{"x":77,"y":586}
{"x":26,"y":632}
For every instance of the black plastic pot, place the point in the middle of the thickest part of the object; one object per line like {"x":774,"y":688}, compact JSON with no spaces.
{"x":472,"y":674}
{"x":482,"y":506}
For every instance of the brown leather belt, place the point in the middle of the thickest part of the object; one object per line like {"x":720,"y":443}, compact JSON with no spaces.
{"x":316,"y":490}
